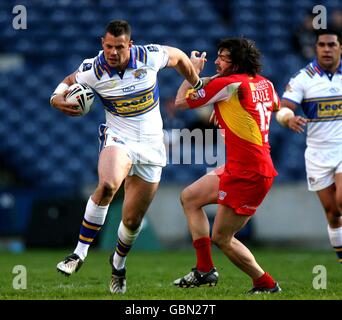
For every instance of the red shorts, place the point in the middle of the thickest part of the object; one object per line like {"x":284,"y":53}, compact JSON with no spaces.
{"x":243,"y":191}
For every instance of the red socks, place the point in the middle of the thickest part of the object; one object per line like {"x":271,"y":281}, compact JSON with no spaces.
{"x":265,"y":281}
{"x":205,"y":263}
{"x":203,"y":252}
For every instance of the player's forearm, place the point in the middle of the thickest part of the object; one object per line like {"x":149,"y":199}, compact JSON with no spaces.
{"x":181,"y":62}
{"x":180,"y":101}
{"x":62,"y":87}
{"x":187,"y":70}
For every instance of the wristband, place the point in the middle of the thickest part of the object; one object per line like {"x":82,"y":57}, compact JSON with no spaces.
{"x":283,"y":115}
{"x":60,"y":89}
{"x":198,"y":85}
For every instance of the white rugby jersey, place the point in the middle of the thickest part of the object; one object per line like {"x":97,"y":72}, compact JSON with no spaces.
{"x":319,"y":93}
{"x":131,"y":101}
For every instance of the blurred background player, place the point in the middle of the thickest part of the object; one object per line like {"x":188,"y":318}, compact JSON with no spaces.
{"x":131,"y":142}
{"x":304,"y":38}
{"x":243,"y":102}
{"x":336,"y":20}
{"x":317,"y":88}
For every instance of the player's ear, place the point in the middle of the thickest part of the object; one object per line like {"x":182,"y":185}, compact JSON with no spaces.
{"x":130,"y":43}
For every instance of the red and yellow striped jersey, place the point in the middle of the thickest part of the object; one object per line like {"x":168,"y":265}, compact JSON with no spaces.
{"x":243,"y":106}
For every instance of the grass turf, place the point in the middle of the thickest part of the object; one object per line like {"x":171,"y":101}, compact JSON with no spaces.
{"x":150,"y":276}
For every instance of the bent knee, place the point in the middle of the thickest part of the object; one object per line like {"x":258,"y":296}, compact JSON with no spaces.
{"x":221,"y":241}
{"x":109,"y":188}
{"x":333,"y":217}
{"x":188,"y":197}
{"x":333,"y":209}
{"x":339,"y":206}
{"x":131,"y":223}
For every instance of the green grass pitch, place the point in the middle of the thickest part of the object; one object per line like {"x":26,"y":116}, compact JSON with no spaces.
{"x":150,"y":276}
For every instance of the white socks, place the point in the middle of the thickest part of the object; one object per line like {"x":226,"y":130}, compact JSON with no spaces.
{"x":335,"y":236}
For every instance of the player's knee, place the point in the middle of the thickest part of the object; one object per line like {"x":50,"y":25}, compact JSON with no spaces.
{"x":109,"y":188}
{"x":333,"y":217}
{"x":183,"y":197}
{"x":216,"y":240}
{"x":339,"y":205}
{"x":220,"y":241}
{"x":187,"y":198}
{"x":131,"y":223}
{"x":332,"y":209}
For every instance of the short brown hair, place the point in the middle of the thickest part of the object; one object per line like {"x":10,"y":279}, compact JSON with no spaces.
{"x":118,"y":28}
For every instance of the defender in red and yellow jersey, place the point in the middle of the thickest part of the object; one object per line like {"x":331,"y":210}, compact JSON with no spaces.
{"x":243,"y":107}
{"x":243,"y":103}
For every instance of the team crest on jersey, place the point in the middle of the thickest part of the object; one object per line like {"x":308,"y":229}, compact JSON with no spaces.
{"x":86,"y":66}
{"x":140,"y":74}
{"x":222,"y":195}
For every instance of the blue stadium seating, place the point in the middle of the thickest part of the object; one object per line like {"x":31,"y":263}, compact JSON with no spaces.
{"x":46,"y":148}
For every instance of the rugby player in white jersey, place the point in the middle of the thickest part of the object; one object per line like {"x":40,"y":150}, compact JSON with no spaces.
{"x":317,"y":88}
{"x":131,"y":142}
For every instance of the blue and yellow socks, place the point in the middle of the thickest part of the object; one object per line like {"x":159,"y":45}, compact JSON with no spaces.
{"x":93,"y":220}
{"x":126,"y":238}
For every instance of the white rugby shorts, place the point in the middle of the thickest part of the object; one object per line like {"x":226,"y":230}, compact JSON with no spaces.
{"x":321,"y":166}
{"x":148,"y":158}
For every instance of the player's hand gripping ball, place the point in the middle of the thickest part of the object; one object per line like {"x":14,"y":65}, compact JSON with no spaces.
{"x":81,"y":94}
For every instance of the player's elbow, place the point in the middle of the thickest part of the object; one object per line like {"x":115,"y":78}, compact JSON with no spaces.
{"x":180,"y":103}
{"x":70,"y":79}
{"x":176,"y":57}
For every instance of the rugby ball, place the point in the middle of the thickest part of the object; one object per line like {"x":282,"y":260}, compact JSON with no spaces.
{"x":81,"y":94}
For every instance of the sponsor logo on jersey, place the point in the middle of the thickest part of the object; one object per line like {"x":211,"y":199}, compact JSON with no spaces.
{"x":261,"y":85}
{"x":134,"y":104}
{"x":334,"y":90}
{"x":201,"y":93}
{"x":152,"y":48}
{"x":329,"y":109}
{"x":128,"y":89}
{"x":140,"y":74}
